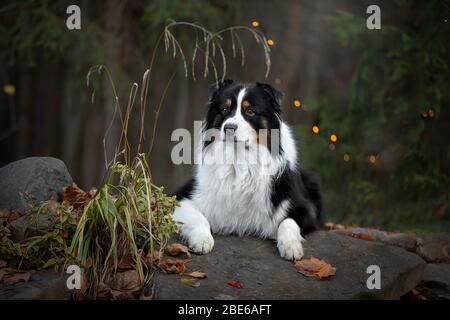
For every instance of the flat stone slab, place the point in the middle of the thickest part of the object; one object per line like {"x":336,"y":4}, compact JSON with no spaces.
{"x":257,"y":264}
{"x":43,"y":285}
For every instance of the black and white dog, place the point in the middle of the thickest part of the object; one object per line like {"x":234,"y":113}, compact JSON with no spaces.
{"x":243,"y":185}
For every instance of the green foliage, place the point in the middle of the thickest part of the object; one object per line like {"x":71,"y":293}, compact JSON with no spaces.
{"x":211,"y":14}
{"x":396,"y":109}
{"x":51,"y":249}
{"x":37,"y":29}
{"x":127,"y":218}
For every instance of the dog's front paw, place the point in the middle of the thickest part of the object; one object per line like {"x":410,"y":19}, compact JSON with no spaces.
{"x":201,"y":241}
{"x":291,"y":249}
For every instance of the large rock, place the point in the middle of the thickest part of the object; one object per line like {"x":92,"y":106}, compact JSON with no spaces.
{"x":435,"y":283}
{"x":41,"y":177}
{"x":265,"y":275}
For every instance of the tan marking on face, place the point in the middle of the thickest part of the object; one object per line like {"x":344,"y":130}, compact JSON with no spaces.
{"x":246,"y":104}
{"x":228,"y":103}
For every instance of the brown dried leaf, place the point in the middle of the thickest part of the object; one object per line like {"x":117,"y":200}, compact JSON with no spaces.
{"x":364,"y":236}
{"x":88,"y":263}
{"x":361,"y":236}
{"x":11,"y":215}
{"x":174,"y":265}
{"x":74,"y":196}
{"x":197,"y":274}
{"x":126,"y":281}
{"x":10,"y":276}
{"x":175,"y":249}
{"x":315,"y":267}
{"x":153,"y":258}
{"x":126,"y":263}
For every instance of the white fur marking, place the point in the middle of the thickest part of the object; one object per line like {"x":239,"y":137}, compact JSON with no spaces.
{"x":195,"y":228}
{"x":289,"y":240}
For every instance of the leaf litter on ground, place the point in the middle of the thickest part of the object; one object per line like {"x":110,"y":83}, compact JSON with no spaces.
{"x":314,"y":267}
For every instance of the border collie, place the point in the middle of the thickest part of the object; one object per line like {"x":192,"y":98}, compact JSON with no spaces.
{"x":248,"y":181}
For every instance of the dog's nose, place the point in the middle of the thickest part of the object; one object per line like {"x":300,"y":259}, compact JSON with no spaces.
{"x":230,"y":128}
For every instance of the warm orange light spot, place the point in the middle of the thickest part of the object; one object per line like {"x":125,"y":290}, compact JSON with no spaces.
{"x":270,"y":42}
{"x":431,"y":113}
{"x":255,"y":24}
{"x":315,"y":129}
{"x":372,"y":158}
{"x":297,"y":103}
{"x":346,"y":157}
{"x":332,"y":146}
{"x":9,"y":89}
{"x":333,"y":138}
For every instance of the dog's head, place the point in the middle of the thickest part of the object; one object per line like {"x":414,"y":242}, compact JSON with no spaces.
{"x":241,"y":111}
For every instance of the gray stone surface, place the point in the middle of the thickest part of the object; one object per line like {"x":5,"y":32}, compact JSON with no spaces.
{"x":41,"y":177}
{"x":265,"y":275}
{"x":435,"y":248}
{"x":43,"y":285}
{"x":435,"y":283}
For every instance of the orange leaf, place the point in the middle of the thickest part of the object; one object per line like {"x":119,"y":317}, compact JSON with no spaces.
{"x":10,"y":215}
{"x":364,"y":236}
{"x":315,"y":267}
{"x":174,"y":265}
{"x":153,"y":258}
{"x":175,"y":249}
{"x":74,"y":196}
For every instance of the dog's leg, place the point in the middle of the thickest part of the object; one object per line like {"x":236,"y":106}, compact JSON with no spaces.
{"x":289,"y":240}
{"x":195,"y":228}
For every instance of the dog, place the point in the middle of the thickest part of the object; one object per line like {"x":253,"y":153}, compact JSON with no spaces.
{"x":259,"y":189}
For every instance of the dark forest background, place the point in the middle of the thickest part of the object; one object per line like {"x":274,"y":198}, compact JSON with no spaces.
{"x":383,"y":94}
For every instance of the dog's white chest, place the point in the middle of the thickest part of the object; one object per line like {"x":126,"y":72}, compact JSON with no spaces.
{"x":236,"y":199}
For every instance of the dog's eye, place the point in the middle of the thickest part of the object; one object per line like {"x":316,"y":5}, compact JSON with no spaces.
{"x":224,"y":111}
{"x":250,"y":112}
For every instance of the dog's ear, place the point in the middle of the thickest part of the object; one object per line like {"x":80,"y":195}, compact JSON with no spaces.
{"x":275,"y":94}
{"x":215,"y":88}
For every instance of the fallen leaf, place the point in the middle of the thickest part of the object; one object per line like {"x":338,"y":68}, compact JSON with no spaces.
{"x":10,"y":276}
{"x":364,"y":236}
{"x":190,"y":282}
{"x":175,"y":249}
{"x":315,"y":267}
{"x":126,"y":263}
{"x":88,"y":263}
{"x":337,"y":226}
{"x":75,"y":196}
{"x":11,"y":215}
{"x":153,"y":258}
{"x":174,"y":265}
{"x":197,"y":274}
{"x":126,"y":281}
{"x":361,"y":236}
{"x":236,"y":284}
